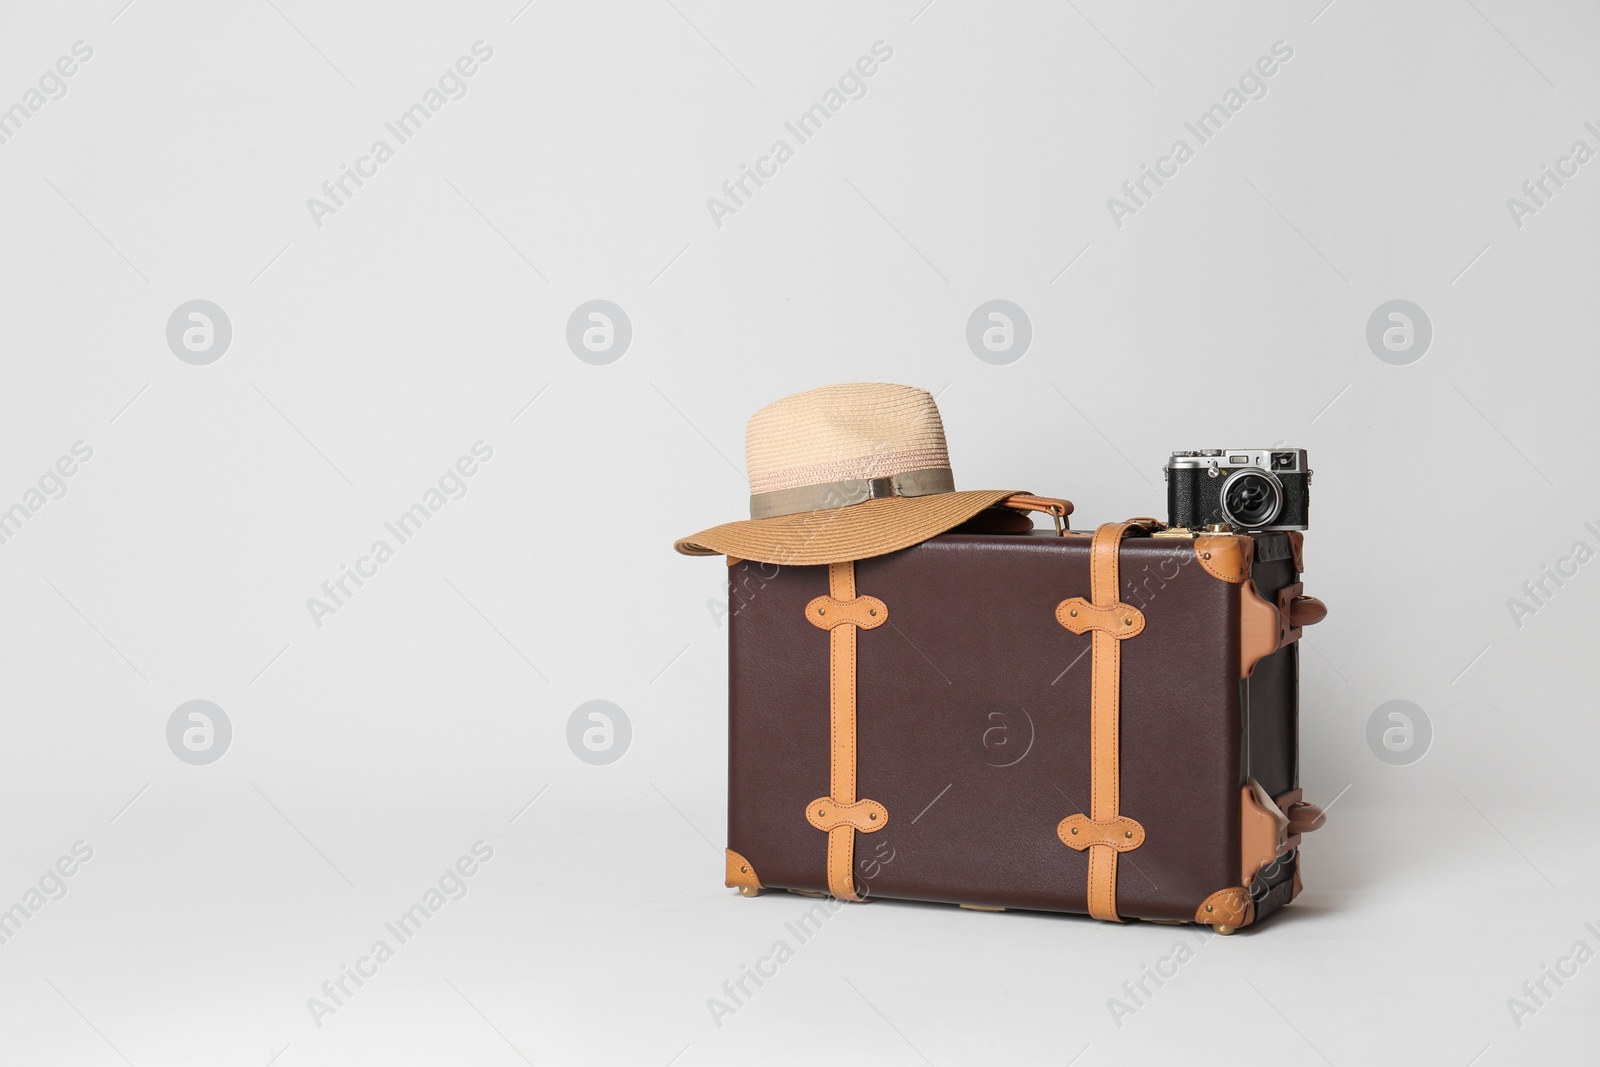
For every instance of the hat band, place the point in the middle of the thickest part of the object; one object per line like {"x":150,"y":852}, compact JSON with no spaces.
{"x":841,"y":494}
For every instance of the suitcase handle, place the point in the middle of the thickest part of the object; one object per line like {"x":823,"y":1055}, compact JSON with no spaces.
{"x":1056,"y":507}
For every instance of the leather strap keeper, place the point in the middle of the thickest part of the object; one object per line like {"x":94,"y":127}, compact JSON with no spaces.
{"x":1119,"y":620}
{"x":1079,"y":832}
{"x":867,"y":612}
{"x":866,"y":816}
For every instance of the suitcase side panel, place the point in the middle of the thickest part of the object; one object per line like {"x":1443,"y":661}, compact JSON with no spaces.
{"x":974,"y":726}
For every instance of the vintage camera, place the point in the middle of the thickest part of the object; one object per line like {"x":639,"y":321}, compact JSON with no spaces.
{"x":1249,"y":489}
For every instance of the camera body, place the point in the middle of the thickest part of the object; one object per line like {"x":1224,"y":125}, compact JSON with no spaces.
{"x":1249,"y":489}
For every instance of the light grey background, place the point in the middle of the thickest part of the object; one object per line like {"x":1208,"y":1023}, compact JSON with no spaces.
{"x":430,"y":312}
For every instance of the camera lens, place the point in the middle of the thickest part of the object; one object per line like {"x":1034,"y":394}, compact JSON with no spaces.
{"x":1251,"y":498}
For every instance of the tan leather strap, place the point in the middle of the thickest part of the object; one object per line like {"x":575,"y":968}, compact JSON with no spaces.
{"x":1105,"y":831}
{"x":1056,"y":507}
{"x":842,"y":613}
{"x":842,"y":733}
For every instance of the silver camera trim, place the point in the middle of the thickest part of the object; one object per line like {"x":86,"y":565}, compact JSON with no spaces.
{"x":1203,"y":458}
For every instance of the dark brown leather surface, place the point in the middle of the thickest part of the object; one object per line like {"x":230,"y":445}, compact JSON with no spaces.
{"x":1273,"y":690}
{"x":1272,"y":702}
{"x":974,"y":732}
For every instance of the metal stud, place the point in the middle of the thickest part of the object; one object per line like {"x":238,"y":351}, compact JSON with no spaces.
{"x":1074,"y":831}
{"x":1209,"y":907}
{"x":872,"y":815}
{"x":821,"y":813}
{"x":872,"y":611}
{"x":1127,"y":622}
{"x":1073,"y":613}
{"x":744,"y":870}
{"x":1128,"y":834}
{"x":822,"y":611}
{"x":1205,"y":555}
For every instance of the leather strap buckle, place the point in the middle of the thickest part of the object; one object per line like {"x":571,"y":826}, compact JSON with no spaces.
{"x":1056,"y":507}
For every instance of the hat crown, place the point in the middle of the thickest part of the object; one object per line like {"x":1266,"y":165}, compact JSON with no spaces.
{"x":842,"y":432}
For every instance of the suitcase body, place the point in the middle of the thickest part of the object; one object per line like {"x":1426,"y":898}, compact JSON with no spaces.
{"x":978,"y":736}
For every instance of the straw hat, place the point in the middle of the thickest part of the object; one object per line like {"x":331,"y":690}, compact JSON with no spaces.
{"x":843,"y":473}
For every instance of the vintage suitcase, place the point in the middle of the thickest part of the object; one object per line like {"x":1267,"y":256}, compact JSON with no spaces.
{"x":1098,"y":722}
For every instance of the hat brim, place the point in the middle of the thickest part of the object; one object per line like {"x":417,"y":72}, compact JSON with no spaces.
{"x":835,"y":535}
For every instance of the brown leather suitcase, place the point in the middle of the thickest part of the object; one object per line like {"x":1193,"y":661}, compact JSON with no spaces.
{"x":1098,"y":722}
